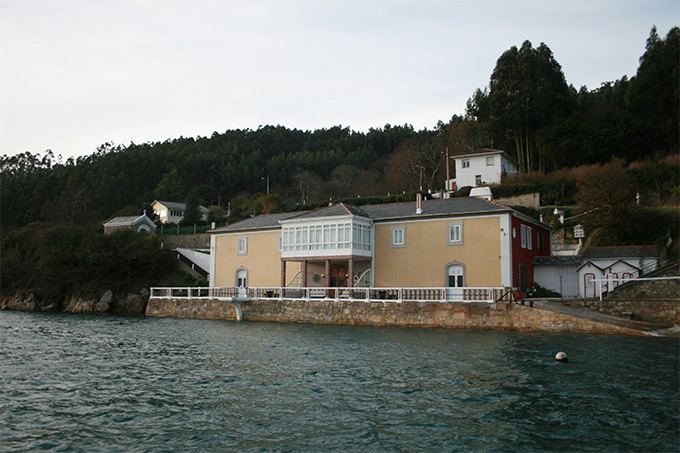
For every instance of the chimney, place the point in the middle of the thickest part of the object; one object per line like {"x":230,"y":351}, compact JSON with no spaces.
{"x":419,"y":203}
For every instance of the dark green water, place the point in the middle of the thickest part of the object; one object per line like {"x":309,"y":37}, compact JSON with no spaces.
{"x":104,"y":383}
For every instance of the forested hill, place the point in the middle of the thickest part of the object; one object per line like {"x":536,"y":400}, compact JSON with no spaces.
{"x":527,"y":109}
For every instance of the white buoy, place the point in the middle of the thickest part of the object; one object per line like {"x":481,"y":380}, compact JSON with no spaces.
{"x":561,"y":357}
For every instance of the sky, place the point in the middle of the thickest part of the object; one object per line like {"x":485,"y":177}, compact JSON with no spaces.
{"x":75,"y":74}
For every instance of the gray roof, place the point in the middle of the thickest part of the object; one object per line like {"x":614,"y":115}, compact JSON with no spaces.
{"x":557,"y":260}
{"x":391,"y":211}
{"x":181,"y":206}
{"x":483,"y":151}
{"x":478,"y":152}
{"x":334,"y":210}
{"x":128,"y":220}
{"x":433,"y":208}
{"x":259,"y":222}
{"x":631,"y":251}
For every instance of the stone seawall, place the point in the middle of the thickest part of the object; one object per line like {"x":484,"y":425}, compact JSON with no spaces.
{"x":406,"y":314}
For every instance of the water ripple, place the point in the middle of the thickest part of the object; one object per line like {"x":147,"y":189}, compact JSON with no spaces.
{"x":99,"y":383}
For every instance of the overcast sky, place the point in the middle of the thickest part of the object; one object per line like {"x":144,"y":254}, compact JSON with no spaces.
{"x":75,"y":74}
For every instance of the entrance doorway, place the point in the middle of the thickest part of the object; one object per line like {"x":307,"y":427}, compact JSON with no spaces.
{"x":337,"y":277}
{"x":522,"y":284}
{"x":241,"y":281}
{"x":455,"y":282}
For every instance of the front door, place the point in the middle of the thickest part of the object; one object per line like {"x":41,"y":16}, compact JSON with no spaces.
{"x":522,"y":278}
{"x":456,"y":280}
{"x":241,"y":281}
{"x":338,"y":277}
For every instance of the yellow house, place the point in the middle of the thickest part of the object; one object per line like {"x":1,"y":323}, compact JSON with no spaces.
{"x":458,"y":242}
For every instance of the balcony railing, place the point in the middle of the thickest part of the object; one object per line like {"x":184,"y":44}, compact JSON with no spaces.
{"x":397,"y":295}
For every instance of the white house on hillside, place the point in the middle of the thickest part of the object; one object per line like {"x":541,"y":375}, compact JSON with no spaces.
{"x":481,"y":167}
{"x":171,"y":212}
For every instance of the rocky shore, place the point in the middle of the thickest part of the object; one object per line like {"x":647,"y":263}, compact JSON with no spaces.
{"x":107,"y":303}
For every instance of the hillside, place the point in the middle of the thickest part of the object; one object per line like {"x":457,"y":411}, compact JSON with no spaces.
{"x":631,"y":122}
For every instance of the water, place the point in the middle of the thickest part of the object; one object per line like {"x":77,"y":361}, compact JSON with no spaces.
{"x":106,"y":383}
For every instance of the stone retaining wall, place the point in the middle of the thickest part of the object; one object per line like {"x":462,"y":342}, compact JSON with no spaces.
{"x":185,"y":241}
{"x":406,"y":314}
{"x":656,"y":301}
{"x":660,"y":311}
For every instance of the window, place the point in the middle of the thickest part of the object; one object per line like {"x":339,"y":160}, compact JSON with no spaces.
{"x":529,"y":241}
{"x":526,"y":237}
{"x":314,"y":238}
{"x":329,"y":236}
{"x":489,"y":161}
{"x":478,"y":180}
{"x":242,"y":247}
{"x":455,"y":274}
{"x":279,"y":243}
{"x":465,"y":164}
{"x":399,"y":236}
{"x":315,"y":233}
{"x":344,"y":235}
{"x":455,"y":233}
{"x":361,"y":239}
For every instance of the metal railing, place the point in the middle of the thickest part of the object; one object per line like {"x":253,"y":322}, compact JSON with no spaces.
{"x":397,"y":295}
{"x":604,"y":282}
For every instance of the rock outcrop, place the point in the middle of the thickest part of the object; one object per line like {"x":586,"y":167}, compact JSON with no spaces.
{"x":107,"y":303}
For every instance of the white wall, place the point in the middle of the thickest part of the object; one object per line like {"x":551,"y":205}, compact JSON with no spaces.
{"x":561,"y":279}
{"x":491,"y":174}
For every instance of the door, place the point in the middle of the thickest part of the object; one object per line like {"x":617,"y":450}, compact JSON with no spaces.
{"x":589,"y":285}
{"x":338,"y":278}
{"x":522,"y":284}
{"x":456,"y":280}
{"x":241,"y":282}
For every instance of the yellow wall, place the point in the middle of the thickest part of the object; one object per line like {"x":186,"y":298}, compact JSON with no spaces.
{"x":262,"y":262}
{"x":423,"y":261}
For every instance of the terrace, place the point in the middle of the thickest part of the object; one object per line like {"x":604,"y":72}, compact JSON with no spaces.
{"x":393,"y":295}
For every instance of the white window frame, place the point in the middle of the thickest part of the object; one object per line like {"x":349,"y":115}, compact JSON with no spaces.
{"x":523,"y":236}
{"x":489,"y":161}
{"x":242,"y":245}
{"x":454,"y":233}
{"x":279,"y":243}
{"x":529,"y":241}
{"x":478,"y":180}
{"x":465,"y":163}
{"x":398,"y":236}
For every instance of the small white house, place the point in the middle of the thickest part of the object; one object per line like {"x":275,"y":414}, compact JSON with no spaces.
{"x":481,"y":167}
{"x":616,"y":264}
{"x":171,"y":212}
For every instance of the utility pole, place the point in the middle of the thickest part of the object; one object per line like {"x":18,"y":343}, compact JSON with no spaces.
{"x":267,"y":183}
{"x":448,"y":178}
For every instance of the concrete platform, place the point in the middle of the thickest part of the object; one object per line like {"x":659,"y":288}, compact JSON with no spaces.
{"x":646,"y":328}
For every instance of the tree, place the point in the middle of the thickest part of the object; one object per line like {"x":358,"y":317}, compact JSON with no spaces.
{"x":527,"y":92}
{"x":653,"y":92}
{"x":606,"y":200}
{"x":192,"y":213}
